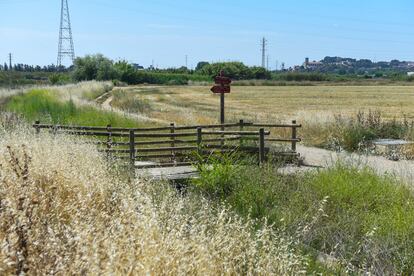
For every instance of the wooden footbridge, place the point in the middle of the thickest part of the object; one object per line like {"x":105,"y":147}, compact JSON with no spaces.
{"x":176,"y":149}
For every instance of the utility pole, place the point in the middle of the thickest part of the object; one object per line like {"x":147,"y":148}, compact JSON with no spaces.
{"x":66,"y":48}
{"x":264,"y":47}
{"x":10,"y":71}
{"x":10,"y":62}
{"x":186,"y":61}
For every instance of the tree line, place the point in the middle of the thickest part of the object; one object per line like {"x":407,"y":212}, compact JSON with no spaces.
{"x":20,"y":67}
{"x":98,"y":67}
{"x":101,"y":68}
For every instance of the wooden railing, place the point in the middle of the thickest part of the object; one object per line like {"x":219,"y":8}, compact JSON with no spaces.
{"x":173,"y":145}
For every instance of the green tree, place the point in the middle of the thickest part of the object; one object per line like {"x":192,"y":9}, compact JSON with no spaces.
{"x":94,"y":67}
{"x":201,"y":64}
{"x":235,"y":70}
{"x":126,"y":72}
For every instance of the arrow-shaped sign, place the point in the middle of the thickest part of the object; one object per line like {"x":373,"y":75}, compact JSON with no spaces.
{"x":220,"y":89}
{"x":222,"y":84}
{"x":222,"y":80}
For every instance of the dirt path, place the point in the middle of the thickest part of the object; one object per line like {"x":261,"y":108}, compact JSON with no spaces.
{"x":403,"y":170}
{"x":106,"y":105}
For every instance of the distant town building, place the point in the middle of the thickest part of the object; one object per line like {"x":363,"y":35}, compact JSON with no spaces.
{"x":137,"y":66}
{"x":353,"y":66}
{"x":410,"y":74}
{"x":312,"y":65}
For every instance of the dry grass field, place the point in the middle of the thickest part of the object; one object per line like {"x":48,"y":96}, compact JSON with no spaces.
{"x":196,"y":104}
{"x":235,"y":219}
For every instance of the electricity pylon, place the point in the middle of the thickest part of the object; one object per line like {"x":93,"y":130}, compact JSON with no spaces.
{"x":264,"y":48}
{"x":66,"y":48}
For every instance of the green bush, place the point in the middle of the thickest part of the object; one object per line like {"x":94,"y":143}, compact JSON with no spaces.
{"x":354,"y":137}
{"x":352,"y":214}
{"x":357,"y":132}
{"x":57,"y":78}
{"x":219,"y":176}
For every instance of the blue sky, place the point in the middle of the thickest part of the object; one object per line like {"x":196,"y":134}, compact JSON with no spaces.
{"x":166,"y":31}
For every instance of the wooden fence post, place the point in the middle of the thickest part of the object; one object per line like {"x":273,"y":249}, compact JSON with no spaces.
{"x":132,"y":147}
{"x":241,"y":124}
{"x":262,"y":153}
{"x":172,"y":130}
{"x":109,"y":140}
{"x":37,"y":123}
{"x":55,"y":129}
{"x":294,"y":135}
{"x":199,"y":140}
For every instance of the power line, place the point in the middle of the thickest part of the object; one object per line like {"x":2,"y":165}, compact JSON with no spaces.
{"x":66,"y":48}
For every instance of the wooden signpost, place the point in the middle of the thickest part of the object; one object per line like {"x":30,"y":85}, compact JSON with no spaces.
{"x":221,"y":87}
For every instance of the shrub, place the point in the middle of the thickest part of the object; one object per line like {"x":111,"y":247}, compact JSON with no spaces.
{"x":355,"y":133}
{"x":60,"y":79}
{"x":364,"y":221}
{"x":219,"y":176}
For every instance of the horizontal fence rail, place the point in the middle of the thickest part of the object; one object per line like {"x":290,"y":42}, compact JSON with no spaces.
{"x":177,"y":145}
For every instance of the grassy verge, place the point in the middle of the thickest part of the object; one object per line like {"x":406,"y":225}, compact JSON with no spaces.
{"x":364,"y":221}
{"x":45,"y":106}
{"x":356,"y":133}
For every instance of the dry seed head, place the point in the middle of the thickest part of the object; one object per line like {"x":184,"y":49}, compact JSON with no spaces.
{"x":79,"y":217}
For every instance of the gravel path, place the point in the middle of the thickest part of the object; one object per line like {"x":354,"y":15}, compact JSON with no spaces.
{"x":403,"y":170}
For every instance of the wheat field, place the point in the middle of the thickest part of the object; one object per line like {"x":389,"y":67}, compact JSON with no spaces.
{"x":196,"y":104}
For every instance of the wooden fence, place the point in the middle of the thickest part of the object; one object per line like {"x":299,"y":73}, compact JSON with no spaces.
{"x":176,"y":145}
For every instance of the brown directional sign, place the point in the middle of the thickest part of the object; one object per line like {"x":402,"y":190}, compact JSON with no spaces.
{"x":220,"y":89}
{"x":222,"y":80}
{"x":222,"y":84}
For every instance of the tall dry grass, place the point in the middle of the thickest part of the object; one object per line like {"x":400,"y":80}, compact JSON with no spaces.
{"x":87,"y":90}
{"x":63,"y":211}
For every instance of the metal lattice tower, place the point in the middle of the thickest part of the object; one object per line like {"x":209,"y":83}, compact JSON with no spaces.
{"x":66,"y":48}
{"x":264,"y":48}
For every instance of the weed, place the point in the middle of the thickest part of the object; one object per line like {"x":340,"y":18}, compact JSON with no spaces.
{"x":356,"y":133}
